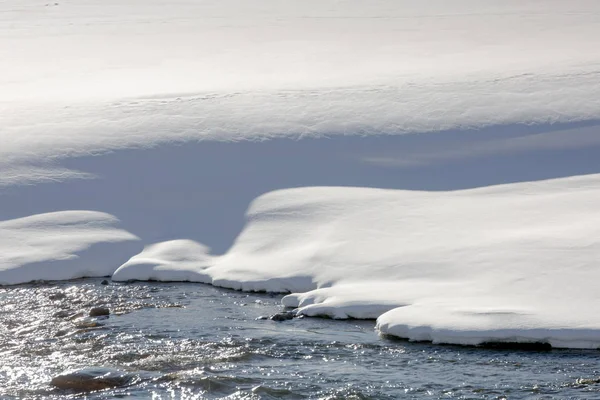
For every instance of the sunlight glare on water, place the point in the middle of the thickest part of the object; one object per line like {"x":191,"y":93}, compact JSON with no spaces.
{"x":190,"y":341}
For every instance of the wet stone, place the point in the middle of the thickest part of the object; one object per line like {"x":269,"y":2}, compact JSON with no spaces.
{"x":87,"y":322}
{"x":57,"y":296}
{"x":61,"y":333}
{"x":99,"y":311}
{"x":75,"y":316}
{"x":62,"y":314}
{"x":90,"y":379}
{"x":282,"y":316}
{"x":589,"y":381}
{"x":104,"y":282}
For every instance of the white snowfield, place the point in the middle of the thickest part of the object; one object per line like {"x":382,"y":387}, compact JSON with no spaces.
{"x":95,"y":75}
{"x":477,"y":119}
{"x":62,"y":245}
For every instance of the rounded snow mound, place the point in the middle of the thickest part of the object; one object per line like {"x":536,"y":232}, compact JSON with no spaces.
{"x":174,"y":260}
{"x":62,"y":245}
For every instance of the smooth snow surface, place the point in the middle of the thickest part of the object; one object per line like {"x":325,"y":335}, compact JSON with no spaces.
{"x":446,"y":182}
{"x":175,"y":260}
{"x":93,"y":75}
{"x":62,"y":245}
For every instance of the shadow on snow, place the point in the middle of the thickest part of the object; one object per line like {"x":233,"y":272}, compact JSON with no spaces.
{"x":200,"y":190}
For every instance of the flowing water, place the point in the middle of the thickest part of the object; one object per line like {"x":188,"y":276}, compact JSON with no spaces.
{"x":191,"y":341}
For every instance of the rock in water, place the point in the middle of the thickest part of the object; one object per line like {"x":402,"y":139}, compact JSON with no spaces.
{"x":62,"y":314}
{"x":104,"y":282}
{"x":99,"y":311}
{"x":87,"y":322}
{"x":57,"y":296}
{"x":282,"y":316}
{"x":90,"y":379}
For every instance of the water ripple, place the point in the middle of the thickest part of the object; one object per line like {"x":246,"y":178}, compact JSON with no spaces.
{"x":198,"y":342}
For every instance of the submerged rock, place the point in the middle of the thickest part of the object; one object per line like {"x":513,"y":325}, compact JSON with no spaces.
{"x":282,"y":316}
{"x":104,"y":282}
{"x":99,"y":311}
{"x":76,"y":315}
{"x":62,"y":314}
{"x":588,"y":381}
{"x":87,"y":322}
{"x":92,"y":378}
{"x":57,"y":296}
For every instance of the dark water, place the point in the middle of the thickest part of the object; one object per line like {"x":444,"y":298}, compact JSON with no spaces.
{"x":189,"y":341}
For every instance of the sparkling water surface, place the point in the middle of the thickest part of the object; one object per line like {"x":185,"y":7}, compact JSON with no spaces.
{"x":192,"y":341}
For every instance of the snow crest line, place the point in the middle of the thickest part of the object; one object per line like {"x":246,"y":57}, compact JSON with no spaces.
{"x":36,"y":132}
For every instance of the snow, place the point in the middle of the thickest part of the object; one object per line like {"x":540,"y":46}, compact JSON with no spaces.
{"x":433,"y":165}
{"x":503,"y":263}
{"x":175,"y":260}
{"x":93,"y":76}
{"x":62,"y":245}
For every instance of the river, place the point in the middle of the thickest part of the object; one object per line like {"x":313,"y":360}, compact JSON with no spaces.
{"x":192,"y":341}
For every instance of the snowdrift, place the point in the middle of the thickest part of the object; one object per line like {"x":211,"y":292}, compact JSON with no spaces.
{"x":506,"y":263}
{"x":175,"y":260}
{"x":62,"y":245}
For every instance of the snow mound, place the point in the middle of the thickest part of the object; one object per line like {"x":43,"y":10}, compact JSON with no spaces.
{"x":513,"y":263}
{"x":62,"y":245}
{"x":175,"y":260}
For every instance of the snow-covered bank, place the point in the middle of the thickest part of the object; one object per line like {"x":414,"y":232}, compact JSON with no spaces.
{"x":62,"y":245}
{"x":505,"y":263}
{"x":438,"y":119}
